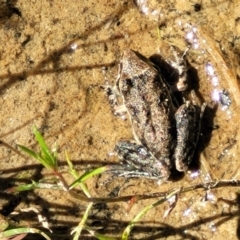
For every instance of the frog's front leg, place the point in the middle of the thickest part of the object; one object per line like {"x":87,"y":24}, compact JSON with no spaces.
{"x":113,"y":95}
{"x":144,"y":163}
{"x":118,"y":109}
{"x":188,"y":124}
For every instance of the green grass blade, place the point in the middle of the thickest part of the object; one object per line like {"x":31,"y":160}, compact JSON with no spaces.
{"x":23,"y":187}
{"x":18,"y":231}
{"x":128,"y":229}
{"x":71,"y":167}
{"x":40,"y":139}
{"x":48,"y":159}
{"x":98,"y":235}
{"x":87,"y":175}
{"x":28,"y":151}
{"x":83,"y":186}
{"x":46,"y":153}
{"x":76,"y":176}
{"x":45,"y":157}
{"x":34,"y":155}
{"x":32,"y":186}
{"x":79,"y":228}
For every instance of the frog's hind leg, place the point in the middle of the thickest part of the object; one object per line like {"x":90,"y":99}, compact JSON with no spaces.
{"x":188,"y":124}
{"x":140,"y":162}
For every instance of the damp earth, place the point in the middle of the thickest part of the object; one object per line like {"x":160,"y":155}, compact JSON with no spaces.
{"x":51,"y":70}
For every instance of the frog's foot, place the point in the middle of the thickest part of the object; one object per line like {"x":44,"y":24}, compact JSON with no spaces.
{"x":113,"y":94}
{"x":180,"y":64}
{"x":140,"y":162}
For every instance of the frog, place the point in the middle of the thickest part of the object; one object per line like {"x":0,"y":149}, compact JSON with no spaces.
{"x":165,"y":132}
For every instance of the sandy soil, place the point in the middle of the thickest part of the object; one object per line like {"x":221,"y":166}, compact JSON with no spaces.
{"x":51,"y":59}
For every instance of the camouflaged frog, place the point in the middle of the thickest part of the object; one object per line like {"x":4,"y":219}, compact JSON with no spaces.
{"x":165,"y":134}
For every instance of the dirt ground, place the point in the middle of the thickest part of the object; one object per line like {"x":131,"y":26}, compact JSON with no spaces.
{"x":52,"y":56}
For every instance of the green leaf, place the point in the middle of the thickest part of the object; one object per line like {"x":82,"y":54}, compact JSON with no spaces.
{"x":46,"y":157}
{"x":18,"y":231}
{"x":23,"y":187}
{"x":28,"y":151}
{"x":45,"y":152}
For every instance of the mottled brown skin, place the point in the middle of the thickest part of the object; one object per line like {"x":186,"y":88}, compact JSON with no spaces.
{"x":165,"y":133}
{"x":187,"y":133}
{"x":144,"y":163}
{"x":149,"y":105}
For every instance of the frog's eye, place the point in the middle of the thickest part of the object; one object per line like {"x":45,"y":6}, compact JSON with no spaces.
{"x":129,"y":82}
{"x":126,"y":85}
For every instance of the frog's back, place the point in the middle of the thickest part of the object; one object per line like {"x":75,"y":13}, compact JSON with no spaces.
{"x":149,"y":104}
